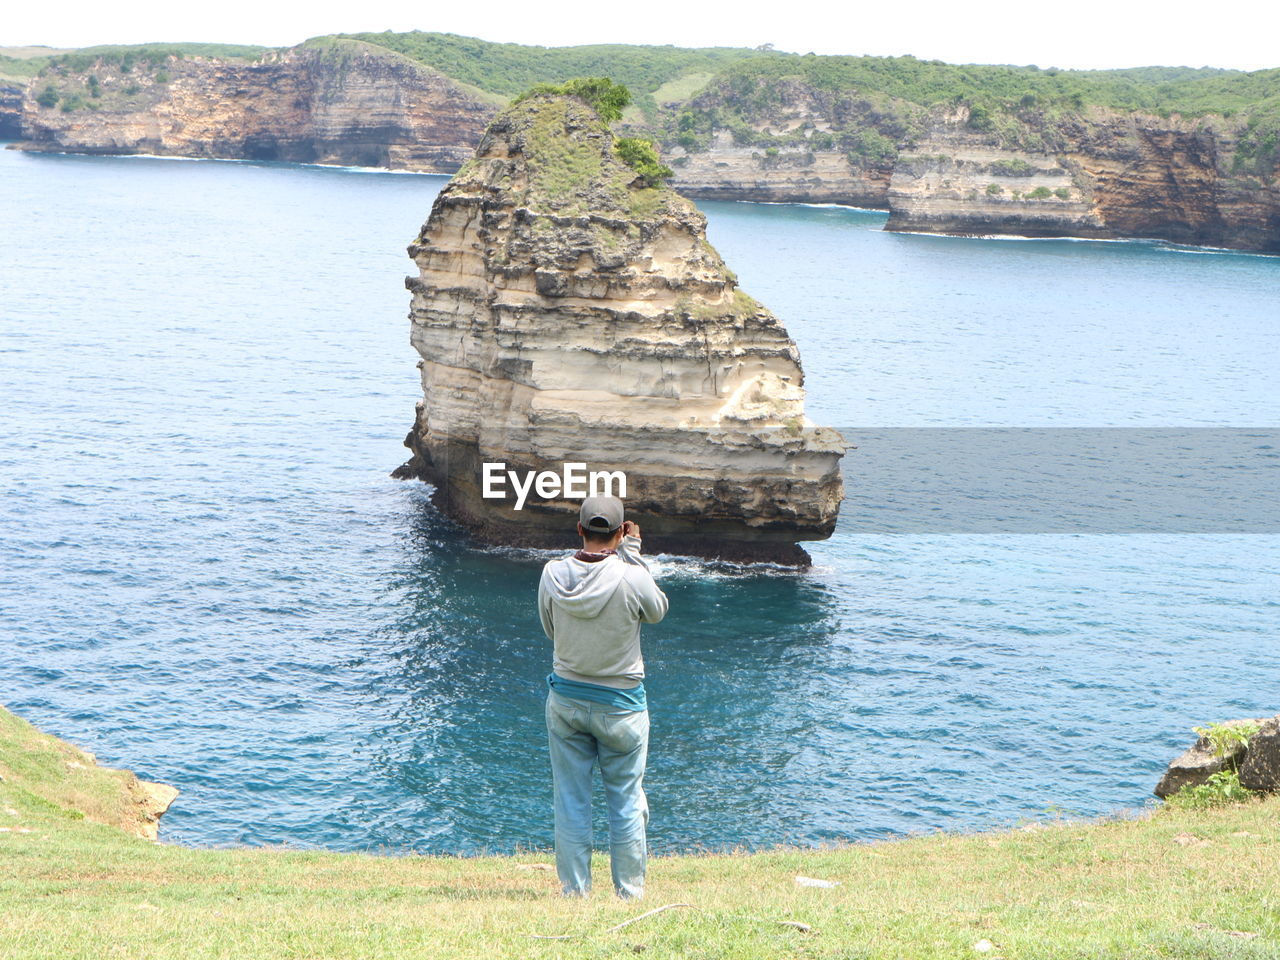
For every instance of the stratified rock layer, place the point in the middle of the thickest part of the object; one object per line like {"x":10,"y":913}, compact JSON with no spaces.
{"x":1089,"y":172}
{"x":344,"y":103}
{"x":567,"y":312}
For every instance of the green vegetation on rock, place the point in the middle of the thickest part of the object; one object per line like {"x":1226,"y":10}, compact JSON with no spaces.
{"x":604,"y":96}
{"x":1221,"y":788}
{"x":1016,"y":167}
{"x":641,"y":155}
{"x":562,"y":167}
{"x":575,"y":163}
{"x":21,"y":68}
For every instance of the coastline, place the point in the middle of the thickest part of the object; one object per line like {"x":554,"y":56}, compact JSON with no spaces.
{"x":1171,"y":883}
{"x":16,"y":146}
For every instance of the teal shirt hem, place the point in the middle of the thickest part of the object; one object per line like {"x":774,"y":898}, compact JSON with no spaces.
{"x":632,"y":698}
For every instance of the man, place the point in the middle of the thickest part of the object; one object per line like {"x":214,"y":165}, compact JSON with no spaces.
{"x":592,"y":605}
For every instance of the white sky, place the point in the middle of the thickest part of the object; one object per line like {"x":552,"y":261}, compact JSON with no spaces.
{"x":1078,"y":33}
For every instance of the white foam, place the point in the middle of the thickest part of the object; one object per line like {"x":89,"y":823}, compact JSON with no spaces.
{"x":281,"y":163}
{"x":1154,"y":242}
{"x":801,"y":203}
{"x":669,"y":564}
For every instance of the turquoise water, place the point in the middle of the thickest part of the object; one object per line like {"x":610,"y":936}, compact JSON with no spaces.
{"x":209,"y":578}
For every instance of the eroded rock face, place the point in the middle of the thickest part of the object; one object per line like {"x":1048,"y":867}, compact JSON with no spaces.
{"x":1111,"y":175}
{"x":343,"y":104}
{"x":1260,"y":769}
{"x":10,"y":110}
{"x":566,"y":312}
{"x":730,"y":172}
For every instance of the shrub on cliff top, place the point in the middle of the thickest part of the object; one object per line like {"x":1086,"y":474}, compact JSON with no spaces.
{"x":641,"y":155}
{"x":600,"y":93}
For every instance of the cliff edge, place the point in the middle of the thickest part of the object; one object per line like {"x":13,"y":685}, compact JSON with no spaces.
{"x":46,"y":776}
{"x":570,"y":310}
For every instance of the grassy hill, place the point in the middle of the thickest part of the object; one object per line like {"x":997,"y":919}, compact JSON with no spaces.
{"x":1174,"y":885}
{"x":509,"y":69}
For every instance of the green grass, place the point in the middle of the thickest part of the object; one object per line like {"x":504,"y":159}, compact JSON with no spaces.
{"x":21,"y":69}
{"x":681,"y":88}
{"x":559,"y":164}
{"x":84,"y":58}
{"x":1176,"y":884}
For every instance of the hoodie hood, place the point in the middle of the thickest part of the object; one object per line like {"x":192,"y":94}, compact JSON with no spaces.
{"x":582,"y":588}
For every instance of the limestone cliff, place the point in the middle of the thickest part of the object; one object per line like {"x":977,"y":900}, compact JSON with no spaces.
{"x":728,"y":171}
{"x":1033,"y":168}
{"x":566,"y":311}
{"x":1088,"y":172}
{"x":1105,"y":174}
{"x":339,"y":103}
{"x":10,"y":110}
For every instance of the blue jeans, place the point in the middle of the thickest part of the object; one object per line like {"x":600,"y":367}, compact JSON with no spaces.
{"x":580,"y":733}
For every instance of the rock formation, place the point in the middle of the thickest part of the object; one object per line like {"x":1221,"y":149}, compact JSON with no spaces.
{"x":1258,"y":761}
{"x":1112,"y":175}
{"x":341,"y":103}
{"x":11,"y":100}
{"x":568,"y":311}
{"x":1260,"y":766}
{"x":1087,"y":171}
{"x":728,"y":171}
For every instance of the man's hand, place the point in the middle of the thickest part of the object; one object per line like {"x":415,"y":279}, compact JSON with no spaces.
{"x":630,"y":529}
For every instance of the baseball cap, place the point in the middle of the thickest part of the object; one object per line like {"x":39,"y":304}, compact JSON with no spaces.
{"x":601,"y":514}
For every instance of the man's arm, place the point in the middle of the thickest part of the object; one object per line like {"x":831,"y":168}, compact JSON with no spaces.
{"x":629,"y":551}
{"x":653,"y":602}
{"x":544,"y":606}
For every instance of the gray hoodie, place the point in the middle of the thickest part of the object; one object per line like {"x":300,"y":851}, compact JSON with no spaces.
{"x":592,"y":611}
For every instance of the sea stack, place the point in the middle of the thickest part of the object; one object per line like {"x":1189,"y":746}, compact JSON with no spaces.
{"x":569,"y":310}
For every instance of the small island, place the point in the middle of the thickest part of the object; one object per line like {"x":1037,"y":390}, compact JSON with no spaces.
{"x":569,"y":309}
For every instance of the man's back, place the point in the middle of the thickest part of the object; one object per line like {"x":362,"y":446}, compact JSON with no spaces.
{"x":591,"y":609}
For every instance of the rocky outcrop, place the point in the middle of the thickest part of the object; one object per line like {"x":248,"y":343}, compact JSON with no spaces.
{"x":1260,"y":766}
{"x":1257,"y":761}
{"x":10,"y":110}
{"x":567,"y":312}
{"x":1109,"y":175}
{"x":340,"y":103}
{"x":963,"y":185}
{"x":60,"y":775}
{"x":1090,"y":172}
{"x":726,"y":171}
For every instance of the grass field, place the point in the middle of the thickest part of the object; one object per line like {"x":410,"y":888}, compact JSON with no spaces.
{"x":1170,"y":884}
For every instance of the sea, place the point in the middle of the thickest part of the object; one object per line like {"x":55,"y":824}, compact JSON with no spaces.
{"x":208,"y":576}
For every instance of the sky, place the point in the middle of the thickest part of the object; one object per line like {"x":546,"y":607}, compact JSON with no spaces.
{"x":1081,"y":34}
